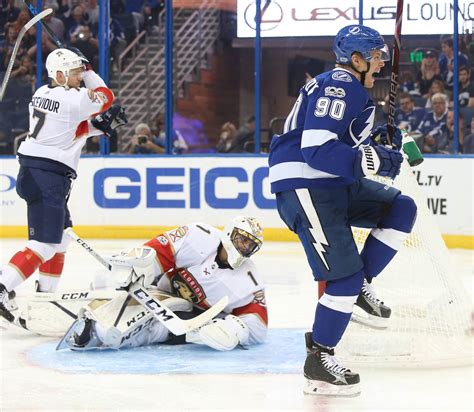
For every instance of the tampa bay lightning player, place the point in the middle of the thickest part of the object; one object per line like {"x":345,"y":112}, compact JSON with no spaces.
{"x":317,"y":170}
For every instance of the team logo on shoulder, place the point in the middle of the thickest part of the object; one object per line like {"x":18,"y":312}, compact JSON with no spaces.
{"x":259,"y":298}
{"x":93,"y":96}
{"x":342,"y":76}
{"x":334,"y":91}
{"x":178,"y":233}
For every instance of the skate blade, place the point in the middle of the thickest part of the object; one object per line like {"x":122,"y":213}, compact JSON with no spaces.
{"x":376,"y":322}
{"x":320,"y":388}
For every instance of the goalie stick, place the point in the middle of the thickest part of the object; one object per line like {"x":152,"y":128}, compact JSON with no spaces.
{"x":158,"y":309}
{"x":22,"y":32}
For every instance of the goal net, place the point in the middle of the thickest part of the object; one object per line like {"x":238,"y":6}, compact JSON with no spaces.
{"x":430,"y":323}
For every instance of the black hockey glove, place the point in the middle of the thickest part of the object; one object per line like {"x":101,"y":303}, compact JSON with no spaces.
{"x":380,"y":136}
{"x":110,"y":119}
{"x":377,"y":160}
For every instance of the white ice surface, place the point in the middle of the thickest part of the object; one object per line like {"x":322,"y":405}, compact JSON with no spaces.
{"x":291,"y":300}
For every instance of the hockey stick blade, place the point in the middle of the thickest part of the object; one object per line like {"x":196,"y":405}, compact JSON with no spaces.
{"x":22,"y":32}
{"x":157,"y":308}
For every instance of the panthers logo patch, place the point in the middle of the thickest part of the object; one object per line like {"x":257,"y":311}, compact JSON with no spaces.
{"x":186,"y":286}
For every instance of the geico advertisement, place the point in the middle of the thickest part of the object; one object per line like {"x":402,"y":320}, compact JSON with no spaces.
{"x":287,"y":18}
{"x":161,"y":191}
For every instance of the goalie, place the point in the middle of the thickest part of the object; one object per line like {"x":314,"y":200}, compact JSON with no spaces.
{"x":192,"y":267}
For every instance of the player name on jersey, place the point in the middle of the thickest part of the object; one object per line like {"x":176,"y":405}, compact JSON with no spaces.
{"x":45,"y":104}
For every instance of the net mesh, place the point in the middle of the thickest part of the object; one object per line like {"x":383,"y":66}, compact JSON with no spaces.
{"x":430,"y":323}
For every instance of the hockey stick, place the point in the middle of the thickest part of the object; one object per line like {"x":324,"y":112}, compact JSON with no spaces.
{"x":22,"y":32}
{"x":394,"y":74}
{"x":157,"y":308}
{"x":54,"y":38}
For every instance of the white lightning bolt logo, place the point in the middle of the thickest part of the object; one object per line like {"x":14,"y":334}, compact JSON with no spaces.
{"x":316,"y":230}
{"x":364,"y":134}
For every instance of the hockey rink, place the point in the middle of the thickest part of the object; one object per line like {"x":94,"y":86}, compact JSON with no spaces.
{"x":266,"y":377}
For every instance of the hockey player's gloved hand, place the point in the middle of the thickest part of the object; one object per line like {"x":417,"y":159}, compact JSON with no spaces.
{"x":378,"y":160}
{"x":380,"y":136}
{"x":111,"y":119}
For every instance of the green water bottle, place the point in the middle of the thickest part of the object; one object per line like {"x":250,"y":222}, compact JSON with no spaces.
{"x":410,"y":148}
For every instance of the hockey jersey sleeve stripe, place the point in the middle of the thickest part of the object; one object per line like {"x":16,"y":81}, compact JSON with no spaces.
{"x":107,"y":97}
{"x":296,"y":170}
{"x":82,"y":129}
{"x":315,"y":137}
{"x":253,"y":309}
{"x":164,"y":253}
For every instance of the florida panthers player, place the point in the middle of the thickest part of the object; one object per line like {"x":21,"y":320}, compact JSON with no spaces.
{"x":317,"y":170}
{"x":62,"y":116}
{"x":198,"y":265}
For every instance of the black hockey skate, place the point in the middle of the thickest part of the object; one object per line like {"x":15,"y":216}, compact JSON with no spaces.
{"x":6,"y":305}
{"x":369,"y":310}
{"x":324,"y":373}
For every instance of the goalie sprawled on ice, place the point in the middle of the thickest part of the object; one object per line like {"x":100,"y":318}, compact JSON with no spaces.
{"x":189,"y":269}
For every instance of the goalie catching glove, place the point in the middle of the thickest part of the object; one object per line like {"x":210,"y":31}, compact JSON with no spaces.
{"x":110,"y":119}
{"x":221,"y":334}
{"x":377,"y":160}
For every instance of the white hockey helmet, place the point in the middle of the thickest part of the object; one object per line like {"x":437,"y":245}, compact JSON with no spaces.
{"x":241,"y":238}
{"x":62,"y":60}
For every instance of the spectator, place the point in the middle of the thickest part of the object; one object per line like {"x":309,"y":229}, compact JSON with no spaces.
{"x":446,"y":62}
{"x":433,"y":128}
{"x":7,"y":45}
{"x":8,"y":13}
{"x":47,"y":46}
{"x":468,"y":143}
{"x":450,"y":131}
{"x":227,"y":135}
{"x":91,"y":11}
{"x":152,"y":10}
{"x":466,"y":88}
{"x":429,"y":72}
{"x":436,"y":87}
{"x":77,"y":18}
{"x":26,"y":71}
{"x":244,"y":135}
{"x":56,"y":25}
{"x":143,"y":142}
{"x":407,"y":83}
{"x":89,"y":46}
{"x":408,"y":116}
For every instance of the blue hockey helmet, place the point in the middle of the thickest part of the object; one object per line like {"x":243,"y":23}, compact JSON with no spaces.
{"x":361,"y":39}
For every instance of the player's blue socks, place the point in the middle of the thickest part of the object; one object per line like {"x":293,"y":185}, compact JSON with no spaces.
{"x":383,"y":243}
{"x":334,"y":309}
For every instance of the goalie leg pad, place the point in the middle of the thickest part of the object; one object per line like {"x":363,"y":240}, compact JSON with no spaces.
{"x":123,"y":322}
{"x":221,"y":334}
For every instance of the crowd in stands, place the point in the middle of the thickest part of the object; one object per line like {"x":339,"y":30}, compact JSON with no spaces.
{"x":425,"y":103}
{"x":75,"y":23}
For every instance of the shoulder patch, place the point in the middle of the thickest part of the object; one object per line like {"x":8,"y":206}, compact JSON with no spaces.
{"x":93,"y":96}
{"x":342,"y":76}
{"x":334,"y":91}
{"x":178,"y":233}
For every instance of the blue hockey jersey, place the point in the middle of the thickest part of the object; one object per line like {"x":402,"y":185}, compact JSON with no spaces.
{"x":332,"y":116}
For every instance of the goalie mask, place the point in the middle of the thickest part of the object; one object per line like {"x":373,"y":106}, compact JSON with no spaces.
{"x":241,"y":238}
{"x":62,"y":60}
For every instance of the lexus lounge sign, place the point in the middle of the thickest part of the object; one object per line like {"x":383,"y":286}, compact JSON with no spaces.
{"x":288,"y":18}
